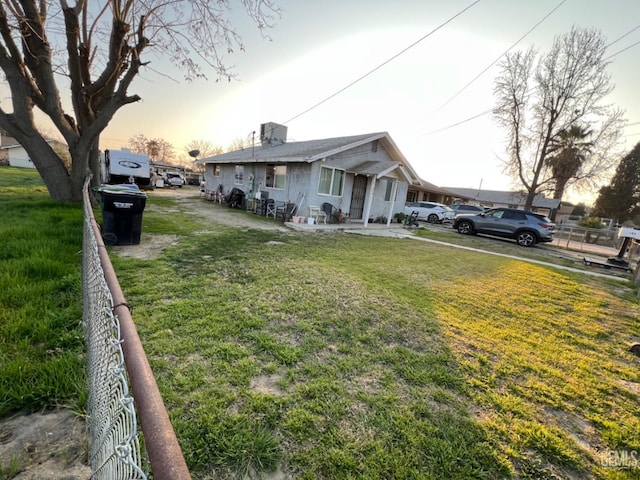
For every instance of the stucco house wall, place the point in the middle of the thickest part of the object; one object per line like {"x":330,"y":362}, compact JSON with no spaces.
{"x":254,"y":178}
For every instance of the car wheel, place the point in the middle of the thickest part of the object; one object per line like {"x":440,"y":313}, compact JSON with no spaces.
{"x":465,"y":228}
{"x":433,"y":218}
{"x":526,"y":239}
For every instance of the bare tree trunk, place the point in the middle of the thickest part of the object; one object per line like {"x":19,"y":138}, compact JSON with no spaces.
{"x":51,"y":168}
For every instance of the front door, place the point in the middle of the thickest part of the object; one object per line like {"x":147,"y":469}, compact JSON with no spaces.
{"x":357,"y":197}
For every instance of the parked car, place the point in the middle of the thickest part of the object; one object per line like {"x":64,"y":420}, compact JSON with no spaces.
{"x":193,"y":179}
{"x":430,"y":211}
{"x":175,"y":180}
{"x":460,"y":208}
{"x":526,"y":228}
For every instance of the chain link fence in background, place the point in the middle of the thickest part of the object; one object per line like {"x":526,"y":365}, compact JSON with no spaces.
{"x":587,"y":240}
{"x":116,"y":360}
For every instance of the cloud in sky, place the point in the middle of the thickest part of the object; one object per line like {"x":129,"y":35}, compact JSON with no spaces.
{"x":318,"y":48}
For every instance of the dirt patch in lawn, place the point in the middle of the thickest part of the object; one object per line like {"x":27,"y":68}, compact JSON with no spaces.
{"x":149,"y":248}
{"x":40,"y":446}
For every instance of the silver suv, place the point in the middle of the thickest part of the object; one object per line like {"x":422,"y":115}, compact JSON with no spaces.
{"x":526,"y":228}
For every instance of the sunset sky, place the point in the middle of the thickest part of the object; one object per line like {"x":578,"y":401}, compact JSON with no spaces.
{"x":320,"y":48}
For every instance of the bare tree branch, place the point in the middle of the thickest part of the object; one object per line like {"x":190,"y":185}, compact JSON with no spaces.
{"x":567,"y":87}
{"x":101,"y":50}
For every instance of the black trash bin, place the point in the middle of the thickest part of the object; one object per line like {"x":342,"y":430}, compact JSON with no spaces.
{"x":121,"y":209}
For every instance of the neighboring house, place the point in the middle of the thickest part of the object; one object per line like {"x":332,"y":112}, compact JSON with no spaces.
{"x":16,"y":156}
{"x":365,"y":177}
{"x":428,"y":192}
{"x":498,"y":198}
{"x":164,"y":168}
{"x":564,"y":213}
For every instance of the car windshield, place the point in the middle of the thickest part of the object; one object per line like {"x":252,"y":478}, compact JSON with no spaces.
{"x":447,"y":208}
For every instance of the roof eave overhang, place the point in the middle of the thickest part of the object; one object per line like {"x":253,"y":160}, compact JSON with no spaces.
{"x":334,"y":151}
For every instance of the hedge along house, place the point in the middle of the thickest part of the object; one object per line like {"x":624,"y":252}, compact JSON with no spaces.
{"x":365,"y":177}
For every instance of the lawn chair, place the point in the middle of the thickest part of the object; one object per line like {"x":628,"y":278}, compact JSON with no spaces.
{"x":317,"y":214}
{"x":272,"y":208}
{"x":331,"y":212}
{"x":286,"y":211}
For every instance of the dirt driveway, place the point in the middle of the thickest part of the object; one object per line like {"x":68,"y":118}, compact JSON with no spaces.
{"x":189,"y":198}
{"x":216,"y":213}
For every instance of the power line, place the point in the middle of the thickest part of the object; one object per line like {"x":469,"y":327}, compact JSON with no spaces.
{"x":501,"y":55}
{"x":490,"y":110}
{"x":461,"y":122}
{"x":383,"y":63}
{"x":620,"y":51}
{"x":621,"y":37}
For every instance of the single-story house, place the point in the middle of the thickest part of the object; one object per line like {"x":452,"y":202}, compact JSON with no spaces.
{"x":363,"y":177}
{"x":16,"y":156}
{"x":500,"y":198}
{"x":428,"y":192}
{"x":163,"y":168}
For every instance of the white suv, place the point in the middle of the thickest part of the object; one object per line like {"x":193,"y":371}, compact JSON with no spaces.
{"x":175,"y":180}
{"x":430,"y":211}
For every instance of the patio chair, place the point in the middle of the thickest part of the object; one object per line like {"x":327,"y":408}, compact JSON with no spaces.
{"x":331,"y":212}
{"x":272,"y":208}
{"x":317,"y":214}
{"x":286,"y":211}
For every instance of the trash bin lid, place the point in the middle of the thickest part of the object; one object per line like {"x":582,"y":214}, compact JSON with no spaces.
{"x":128,"y":189}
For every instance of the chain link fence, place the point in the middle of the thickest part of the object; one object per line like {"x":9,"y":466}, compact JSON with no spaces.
{"x":113,"y":426}
{"x":117,"y":367}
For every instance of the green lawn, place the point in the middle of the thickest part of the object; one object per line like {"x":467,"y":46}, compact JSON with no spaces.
{"x":345,"y":356}
{"x":340,"y":356}
{"x":41,"y":338}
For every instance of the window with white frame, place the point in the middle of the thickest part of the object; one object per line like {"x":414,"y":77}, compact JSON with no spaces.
{"x":331,"y":181}
{"x":239,"y":177}
{"x":216,"y":169}
{"x":388,"y":191}
{"x":276,"y":176}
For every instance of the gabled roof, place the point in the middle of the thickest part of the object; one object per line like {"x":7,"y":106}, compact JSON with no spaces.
{"x":313,"y":150}
{"x":507,"y":198}
{"x":306,"y":151}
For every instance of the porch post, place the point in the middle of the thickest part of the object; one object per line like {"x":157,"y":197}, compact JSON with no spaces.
{"x":394,"y":192}
{"x":371,"y":186}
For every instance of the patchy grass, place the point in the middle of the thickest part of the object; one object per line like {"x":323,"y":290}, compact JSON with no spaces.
{"x":339,"y":356}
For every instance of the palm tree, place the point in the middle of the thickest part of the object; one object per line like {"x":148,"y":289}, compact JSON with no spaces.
{"x":573,"y":150}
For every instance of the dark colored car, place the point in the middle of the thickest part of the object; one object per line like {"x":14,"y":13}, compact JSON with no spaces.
{"x":465,"y":208}
{"x":526,"y":228}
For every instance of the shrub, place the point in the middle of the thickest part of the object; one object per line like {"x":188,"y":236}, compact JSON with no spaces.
{"x":591,"y":222}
